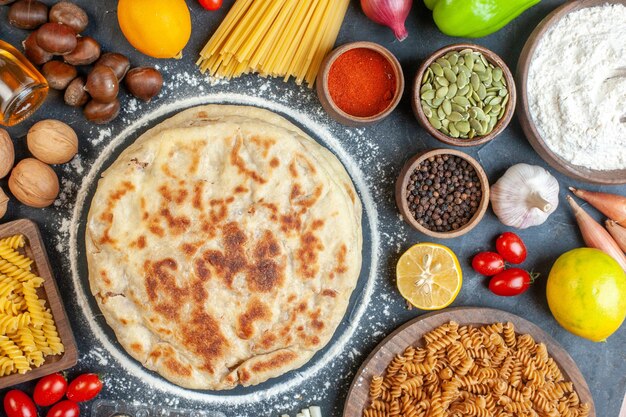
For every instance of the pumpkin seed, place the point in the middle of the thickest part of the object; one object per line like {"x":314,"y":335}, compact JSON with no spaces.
{"x":463,"y":91}
{"x":444,"y":63}
{"x":440,"y":113}
{"x":426,"y":87}
{"x":471,"y":134}
{"x":457,"y":108}
{"x":428,"y":95}
{"x":453,"y":58}
{"x":452,"y":90}
{"x":497,"y":74}
{"x":437,"y":102}
{"x":484,"y":125}
{"x":502,"y":112}
{"x":437,"y":70}
{"x":442,"y":81}
{"x":461,"y":101}
{"x":475,"y":124}
{"x":462,"y":127}
{"x":455,"y":116}
{"x":495,"y":100}
{"x":447,"y":107}
{"x":449,"y":74}
{"x":441,"y":92}
{"x":427,"y":112}
{"x":434,"y":122}
{"x":465,"y":71}
{"x":461,"y":80}
{"x":454,"y":132}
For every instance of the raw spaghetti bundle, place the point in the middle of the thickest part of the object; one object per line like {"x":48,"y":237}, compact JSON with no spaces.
{"x":278,"y":38}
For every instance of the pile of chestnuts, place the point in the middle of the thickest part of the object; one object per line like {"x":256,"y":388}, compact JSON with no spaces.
{"x":56,"y":33}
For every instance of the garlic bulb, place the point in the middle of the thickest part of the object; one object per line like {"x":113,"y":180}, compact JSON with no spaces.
{"x":525,"y":196}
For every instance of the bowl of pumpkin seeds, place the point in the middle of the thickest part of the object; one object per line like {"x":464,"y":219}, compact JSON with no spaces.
{"x":464,"y":95}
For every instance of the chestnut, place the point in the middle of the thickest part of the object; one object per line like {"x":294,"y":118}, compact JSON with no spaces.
{"x":144,"y":82}
{"x":57,"y":38}
{"x":101,"y":113}
{"x":86,"y":52}
{"x":117,"y":62}
{"x":75,"y":94}
{"x":69,"y":14}
{"x":34,"y":52}
{"x":102,"y":84}
{"x":28,"y":14}
{"x":58,"y":74}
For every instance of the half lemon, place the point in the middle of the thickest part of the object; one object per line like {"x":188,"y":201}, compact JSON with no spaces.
{"x":429,"y":276}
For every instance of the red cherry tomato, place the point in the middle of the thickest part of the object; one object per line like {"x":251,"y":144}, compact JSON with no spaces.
{"x":18,"y":404}
{"x":488,"y":263}
{"x":84,"y":388}
{"x":64,"y":409}
{"x":211,"y":4}
{"x":511,"y":247}
{"x":50,"y":390}
{"x":511,"y":282}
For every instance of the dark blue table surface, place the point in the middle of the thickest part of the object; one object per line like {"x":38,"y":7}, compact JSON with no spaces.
{"x":378,"y":151}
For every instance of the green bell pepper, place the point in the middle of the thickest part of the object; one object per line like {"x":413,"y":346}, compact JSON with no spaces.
{"x":476,"y":18}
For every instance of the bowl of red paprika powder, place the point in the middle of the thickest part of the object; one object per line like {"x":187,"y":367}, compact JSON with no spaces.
{"x":360,"y":83}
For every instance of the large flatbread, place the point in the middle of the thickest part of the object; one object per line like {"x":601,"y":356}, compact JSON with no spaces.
{"x":223,"y":247}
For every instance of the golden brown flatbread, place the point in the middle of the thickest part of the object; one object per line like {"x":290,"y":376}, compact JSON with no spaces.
{"x":223,"y":247}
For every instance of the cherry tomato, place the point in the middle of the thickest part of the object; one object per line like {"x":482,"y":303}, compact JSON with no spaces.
{"x":18,"y":404}
{"x":211,"y":4}
{"x":511,"y":282}
{"x":50,"y":390}
{"x":488,"y":263}
{"x":64,"y":409}
{"x":84,"y":388}
{"x":511,"y":247}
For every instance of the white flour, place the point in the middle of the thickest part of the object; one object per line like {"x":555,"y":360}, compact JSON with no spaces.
{"x":577,"y":87}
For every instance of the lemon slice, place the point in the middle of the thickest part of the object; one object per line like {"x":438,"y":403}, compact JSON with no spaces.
{"x":429,"y":276}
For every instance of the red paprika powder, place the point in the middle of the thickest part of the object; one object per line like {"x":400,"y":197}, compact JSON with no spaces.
{"x":361,"y":82}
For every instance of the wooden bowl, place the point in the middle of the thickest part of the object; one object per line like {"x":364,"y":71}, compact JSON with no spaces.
{"x":411,"y":334}
{"x":36,"y":251}
{"x":493,"y":58}
{"x":617,"y":176}
{"x":403,"y":181}
{"x":324,"y":95}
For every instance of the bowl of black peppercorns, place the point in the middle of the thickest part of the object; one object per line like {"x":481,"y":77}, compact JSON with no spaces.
{"x":442,"y":193}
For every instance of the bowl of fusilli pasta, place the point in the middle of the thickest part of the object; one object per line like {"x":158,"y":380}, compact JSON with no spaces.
{"x":469,"y":362}
{"x":35,"y":337}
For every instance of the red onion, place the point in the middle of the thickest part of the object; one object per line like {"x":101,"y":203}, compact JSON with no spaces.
{"x":390,"y":13}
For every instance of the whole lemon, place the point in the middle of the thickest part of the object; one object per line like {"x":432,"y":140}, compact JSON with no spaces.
{"x":158,"y":28}
{"x":587,"y":293}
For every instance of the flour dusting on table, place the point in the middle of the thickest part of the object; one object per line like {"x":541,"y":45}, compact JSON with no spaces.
{"x":577,"y":87}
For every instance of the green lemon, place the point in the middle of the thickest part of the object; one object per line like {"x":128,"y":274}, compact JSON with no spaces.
{"x":587,"y":293}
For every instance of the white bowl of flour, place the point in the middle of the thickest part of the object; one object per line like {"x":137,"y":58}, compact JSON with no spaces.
{"x":573,"y":90}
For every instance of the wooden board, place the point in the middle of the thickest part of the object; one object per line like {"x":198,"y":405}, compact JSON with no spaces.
{"x":35,"y":250}
{"x":410,"y":333}
{"x":617,"y":176}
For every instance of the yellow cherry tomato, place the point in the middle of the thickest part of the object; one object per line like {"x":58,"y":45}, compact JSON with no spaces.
{"x":158,"y":28}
